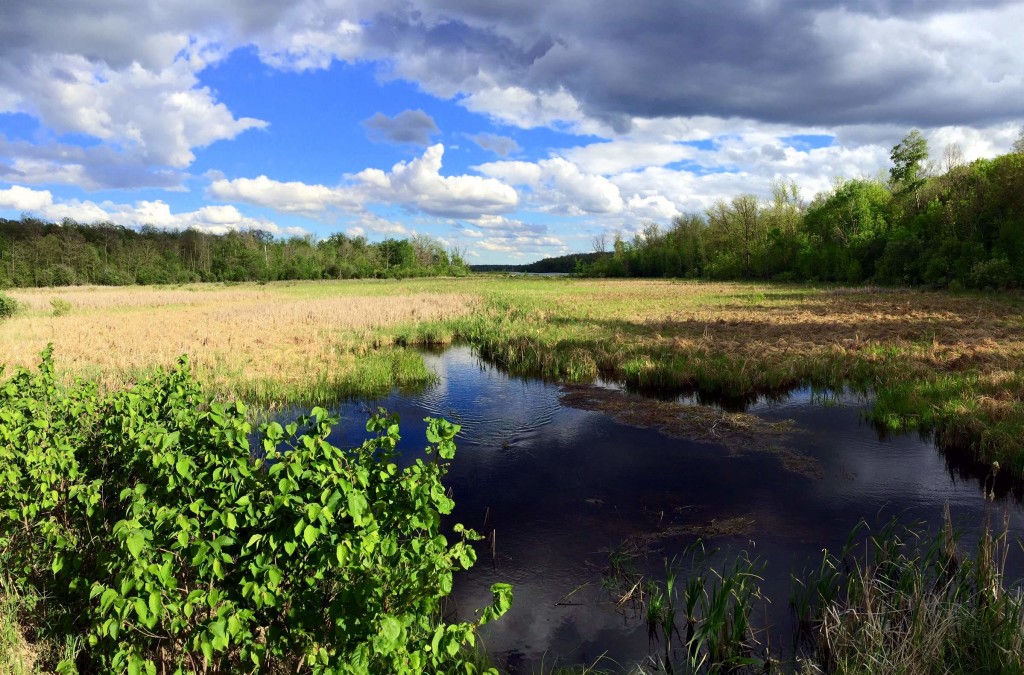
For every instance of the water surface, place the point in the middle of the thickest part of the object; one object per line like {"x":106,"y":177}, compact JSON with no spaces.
{"x":559,"y":488}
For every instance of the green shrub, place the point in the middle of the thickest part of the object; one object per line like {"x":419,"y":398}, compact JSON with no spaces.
{"x":168,"y":545}
{"x":997,"y":273}
{"x":8,"y":306}
{"x":60,"y":306}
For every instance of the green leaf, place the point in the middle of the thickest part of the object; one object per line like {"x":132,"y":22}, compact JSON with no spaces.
{"x":136,"y":542}
{"x":141,"y":608}
{"x":181,"y":466}
{"x":389,"y":637}
{"x":342,"y":553}
{"x":310,"y":534}
{"x":356,"y":506}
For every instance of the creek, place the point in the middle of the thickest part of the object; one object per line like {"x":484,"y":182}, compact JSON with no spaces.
{"x":557,"y":489}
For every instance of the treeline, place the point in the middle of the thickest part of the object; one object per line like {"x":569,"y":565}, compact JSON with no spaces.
{"x":36,"y":253}
{"x":563,"y":264}
{"x":961,"y":225}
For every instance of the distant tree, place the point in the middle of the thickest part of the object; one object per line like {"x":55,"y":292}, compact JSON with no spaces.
{"x":952,"y":157}
{"x":908,"y":158}
{"x":1018,"y":145}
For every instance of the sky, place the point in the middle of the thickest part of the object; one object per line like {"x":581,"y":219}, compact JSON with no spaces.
{"x":510,"y":131}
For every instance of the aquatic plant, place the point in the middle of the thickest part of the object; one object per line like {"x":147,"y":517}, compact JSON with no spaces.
{"x":912,"y":604}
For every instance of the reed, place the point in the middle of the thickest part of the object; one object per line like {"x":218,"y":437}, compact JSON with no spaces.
{"x":909,"y":604}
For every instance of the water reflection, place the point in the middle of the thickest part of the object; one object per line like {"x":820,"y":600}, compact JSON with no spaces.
{"x":559,"y":488}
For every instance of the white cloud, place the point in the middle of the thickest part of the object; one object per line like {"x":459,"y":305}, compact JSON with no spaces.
{"x":560,"y":184}
{"x":160,"y":116}
{"x":216,"y":219}
{"x":21,"y":198}
{"x":526,"y":109}
{"x":288,"y":197}
{"x":306,"y":48}
{"x":623,"y":155}
{"x":416,"y":185}
{"x":419,"y":184}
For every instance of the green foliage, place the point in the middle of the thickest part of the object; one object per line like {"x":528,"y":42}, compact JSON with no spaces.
{"x":963,"y":229}
{"x":8,"y":306}
{"x":35,"y":253}
{"x":716,"y":608}
{"x":908,"y":157}
{"x":60,"y":306}
{"x":162,"y":540}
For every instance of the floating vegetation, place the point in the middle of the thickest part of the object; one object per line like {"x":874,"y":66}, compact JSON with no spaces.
{"x":739,"y":432}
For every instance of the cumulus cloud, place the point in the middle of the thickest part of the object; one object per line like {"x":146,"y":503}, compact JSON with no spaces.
{"x":287,"y":197}
{"x":511,"y":237}
{"x":20,"y":198}
{"x":562,"y":184}
{"x":216,"y":219}
{"x":680,"y":105}
{"x":157,"y":117}
{"x":409,"y":126}
{"x":417,"y":185}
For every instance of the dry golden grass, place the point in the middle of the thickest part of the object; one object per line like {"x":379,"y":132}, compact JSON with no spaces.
{"x":950,"y":363}
{"x":767,"y":324}
{"x":236,"y":337}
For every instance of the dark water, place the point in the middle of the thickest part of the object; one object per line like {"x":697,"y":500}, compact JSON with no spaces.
{"x":559,"y":488}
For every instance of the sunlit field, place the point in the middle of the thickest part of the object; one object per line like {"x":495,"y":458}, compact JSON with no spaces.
{"x":938,"y":361}
{"x":270,"y":343}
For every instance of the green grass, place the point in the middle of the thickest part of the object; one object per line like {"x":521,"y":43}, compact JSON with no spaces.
{"x":910,"y":604}
{"x":952,"y":364}
{"x":936,"y":362}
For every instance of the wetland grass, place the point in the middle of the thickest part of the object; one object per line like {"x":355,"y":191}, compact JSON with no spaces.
{"x":903,"y":603}
{"x":941,"y":363}
{"x":267,"y":344}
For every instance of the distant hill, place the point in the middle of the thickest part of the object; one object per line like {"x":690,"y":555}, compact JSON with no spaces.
{"x":564,"y":264}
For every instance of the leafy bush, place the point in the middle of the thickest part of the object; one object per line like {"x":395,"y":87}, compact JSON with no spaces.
{"x":8,"y":306}
{"x":60,"y":306}
{"x":168,"y":545}
{"x":996,"y":273}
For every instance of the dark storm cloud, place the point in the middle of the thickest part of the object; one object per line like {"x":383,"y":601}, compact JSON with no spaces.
{"x":790,"y":61}
{"x":408,"y":126}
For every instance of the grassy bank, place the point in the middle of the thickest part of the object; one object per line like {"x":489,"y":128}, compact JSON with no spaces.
{"x":937,"y":361}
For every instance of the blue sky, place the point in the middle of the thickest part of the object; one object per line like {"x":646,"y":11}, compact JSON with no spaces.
{"x":512,"y":132}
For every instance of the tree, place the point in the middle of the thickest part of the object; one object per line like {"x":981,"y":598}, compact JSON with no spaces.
{"x":908,"y":157}
{"x":952,"y":158}
{"x":1018,"y":145}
